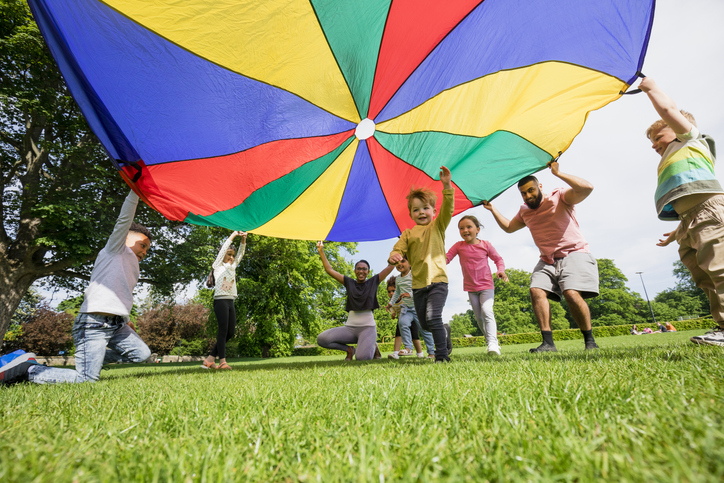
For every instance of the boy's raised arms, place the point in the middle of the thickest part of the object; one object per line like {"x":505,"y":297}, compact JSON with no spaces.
{"x":665,"y":106}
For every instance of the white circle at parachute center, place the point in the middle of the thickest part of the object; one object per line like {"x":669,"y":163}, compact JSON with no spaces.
{"x":365,"y":129}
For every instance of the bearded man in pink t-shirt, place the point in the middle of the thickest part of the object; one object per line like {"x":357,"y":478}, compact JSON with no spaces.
{"x":566,"y":268}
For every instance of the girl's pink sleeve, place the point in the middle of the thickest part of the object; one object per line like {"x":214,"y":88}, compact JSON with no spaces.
{"x":452,"y":253}
{"x":493,"y":255}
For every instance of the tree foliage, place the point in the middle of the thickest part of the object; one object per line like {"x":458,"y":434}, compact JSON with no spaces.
{"x":464,"y":324}
{"x":60,"y":192}
{"x":616,"y":303}
{"x":283,"y":293}
{"x":513,"y":308}
{"x":685,"y":286}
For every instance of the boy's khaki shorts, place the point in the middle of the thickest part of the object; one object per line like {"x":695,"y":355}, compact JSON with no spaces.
{"x":578,"y":271}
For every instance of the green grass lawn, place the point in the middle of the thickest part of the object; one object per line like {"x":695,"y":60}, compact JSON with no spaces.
{"x":643,"y":408}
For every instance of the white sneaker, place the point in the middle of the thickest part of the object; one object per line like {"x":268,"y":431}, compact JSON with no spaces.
{"x":393,"y":356}
{"x":714,"y":337}
{"x":493,"y":351}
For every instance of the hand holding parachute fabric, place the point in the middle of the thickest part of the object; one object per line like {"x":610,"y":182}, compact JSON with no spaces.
{"x":311,"y":119}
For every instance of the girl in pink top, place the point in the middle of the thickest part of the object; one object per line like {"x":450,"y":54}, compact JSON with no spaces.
{"x":477,"y":278}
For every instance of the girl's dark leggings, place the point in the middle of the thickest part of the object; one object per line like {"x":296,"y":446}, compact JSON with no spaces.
{"x":226,"y":317}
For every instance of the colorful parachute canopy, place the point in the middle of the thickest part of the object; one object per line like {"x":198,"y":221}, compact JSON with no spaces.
{"x":311,"y":119}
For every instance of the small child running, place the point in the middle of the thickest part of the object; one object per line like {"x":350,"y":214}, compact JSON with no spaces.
{"x":689,"y":192}
{"x":408,"y":333}
{"x":424,"y":246}
{"x":477,"y":278}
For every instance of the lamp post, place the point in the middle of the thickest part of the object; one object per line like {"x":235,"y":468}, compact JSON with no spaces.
{"x":647,"y":296}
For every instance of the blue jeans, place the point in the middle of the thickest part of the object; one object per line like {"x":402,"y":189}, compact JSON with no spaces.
{"x":407,"y":316}
{"x":98,"y":339}
{"x":429,"y":302}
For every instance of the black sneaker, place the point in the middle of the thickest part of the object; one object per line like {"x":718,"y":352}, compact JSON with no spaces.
{"x":544,"y":348}
{"x":591,"y":345}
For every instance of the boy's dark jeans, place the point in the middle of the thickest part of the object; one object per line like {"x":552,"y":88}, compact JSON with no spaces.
{"x":429,"y":302}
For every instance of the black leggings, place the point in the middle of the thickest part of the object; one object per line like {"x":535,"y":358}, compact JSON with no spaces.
{"x":226,"y":317}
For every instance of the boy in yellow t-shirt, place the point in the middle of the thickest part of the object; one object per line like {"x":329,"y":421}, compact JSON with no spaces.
{"x":424,"y":247}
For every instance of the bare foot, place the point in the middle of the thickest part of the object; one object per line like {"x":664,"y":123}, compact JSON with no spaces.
{"x":377,"y":353}
{"x":350,"y":354}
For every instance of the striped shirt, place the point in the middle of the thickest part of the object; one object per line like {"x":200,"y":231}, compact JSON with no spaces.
{"x":686,"y":168}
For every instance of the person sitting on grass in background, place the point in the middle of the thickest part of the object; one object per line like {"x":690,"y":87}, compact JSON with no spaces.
{"x":408,"y":325}
{"x":670,"y":327}
{"x":223,"y":279}
{"x":477,"y":278}
{"x":566,"y":268}
{"x":689,"y":192}
{"x":424,"y":246}
{"x":360,"y":327}
{"x":635,"y":330}
{"x":102,"y":331}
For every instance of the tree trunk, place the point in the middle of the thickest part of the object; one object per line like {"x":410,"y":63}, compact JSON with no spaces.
{"x":15,"y":282}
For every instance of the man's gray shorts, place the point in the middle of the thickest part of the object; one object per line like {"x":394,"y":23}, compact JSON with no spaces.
{"x":578,"y":271}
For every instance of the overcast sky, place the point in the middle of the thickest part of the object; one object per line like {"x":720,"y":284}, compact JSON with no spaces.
{"x":685,"y":57}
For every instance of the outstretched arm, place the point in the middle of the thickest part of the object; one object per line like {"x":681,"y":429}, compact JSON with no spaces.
{"x":222,"y":251}
{"x":580,"y":188}
{"x":508,"y":226}
{"x":327,"y":267}
{"x":386,"y":271}
{"x":117,"y":241}
{"x":399,"y":250}
{"x":499,"y":263}
{"x":242,"y":248}
{"x":665,"y":106}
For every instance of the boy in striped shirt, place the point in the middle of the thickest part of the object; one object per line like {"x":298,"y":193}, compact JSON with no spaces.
{"x":688,"y":191}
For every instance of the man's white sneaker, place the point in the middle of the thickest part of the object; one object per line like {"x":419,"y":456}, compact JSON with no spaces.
{"x":393,"y":356}
{"x":714,"y":337}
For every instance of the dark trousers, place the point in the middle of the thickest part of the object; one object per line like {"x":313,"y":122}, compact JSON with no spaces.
{"x":429,"y":302}
{"x":226,"y":317}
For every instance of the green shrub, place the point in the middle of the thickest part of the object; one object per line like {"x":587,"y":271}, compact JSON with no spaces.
{"x":164,"y":325}
{"x":194,"y":347}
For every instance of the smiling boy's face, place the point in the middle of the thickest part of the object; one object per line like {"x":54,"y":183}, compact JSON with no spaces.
{"x":421,"y":212}
{"x":403,"y":266}
{"x":661,"y":139}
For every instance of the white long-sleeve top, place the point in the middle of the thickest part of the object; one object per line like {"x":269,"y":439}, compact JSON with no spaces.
{"x":116,"y":270}
{"x":225,"y":273}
